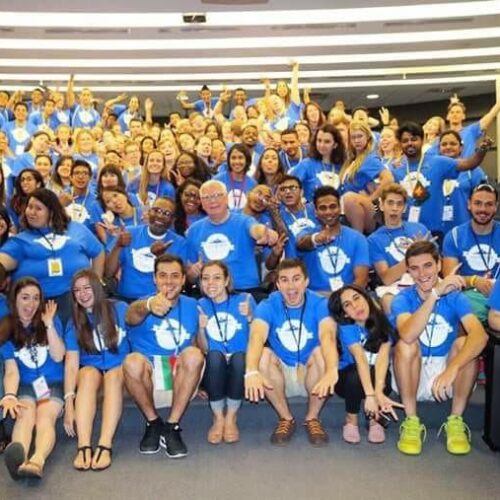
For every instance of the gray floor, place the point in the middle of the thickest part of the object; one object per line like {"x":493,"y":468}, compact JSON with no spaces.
{"x":253,"y":469}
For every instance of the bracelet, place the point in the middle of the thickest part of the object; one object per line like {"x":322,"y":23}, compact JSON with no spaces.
{"x":251,"y":372}
{"x":313,"y":240}
{"x":370,"y":395}
{"x":473,"y":280}
{"x":434,"y":293}
{"x":9,"y":395}
{"x":148,"y":304}
{"x":69,"y":395}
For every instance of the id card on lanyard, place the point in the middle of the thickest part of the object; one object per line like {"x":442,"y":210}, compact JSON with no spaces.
{"x":54,"y":264}
{"x":40,"y":386}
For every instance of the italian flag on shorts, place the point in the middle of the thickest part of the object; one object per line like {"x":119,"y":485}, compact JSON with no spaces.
{"x":164,"y":368}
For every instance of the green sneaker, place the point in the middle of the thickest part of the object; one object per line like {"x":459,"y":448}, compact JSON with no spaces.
{"x":410,"y":436}
{"x":458,"y":435}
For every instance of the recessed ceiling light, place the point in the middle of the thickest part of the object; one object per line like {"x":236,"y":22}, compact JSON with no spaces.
{"x":372,"y":96}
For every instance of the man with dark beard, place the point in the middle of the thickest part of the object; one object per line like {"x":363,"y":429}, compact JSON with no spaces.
{"x":475,"y":246}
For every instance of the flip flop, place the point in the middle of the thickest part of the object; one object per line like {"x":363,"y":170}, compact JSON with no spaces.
{"x":14,"y":457}
{"x":83,"y":451}
{"x":98,"y":451}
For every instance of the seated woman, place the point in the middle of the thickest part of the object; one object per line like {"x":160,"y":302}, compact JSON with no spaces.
{"x":96,"y":346}
{"x":33,"y":391}
{"x":224,"y":328}
{"x":364,"y":346}
{"x":362,"y":179}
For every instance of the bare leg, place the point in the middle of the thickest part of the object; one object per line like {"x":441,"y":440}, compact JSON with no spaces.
{"x":137,"y":374}
{"x":111,"y":413}
{"x":187,"y":377}
{"x":24,"y":425}
{"x":315,"y":370}
{"x":465,"y":380}
{"x":46,"y":416}
{"x":407,"y":363}
{"x":354,"y":211}
{"x":270,"y":367}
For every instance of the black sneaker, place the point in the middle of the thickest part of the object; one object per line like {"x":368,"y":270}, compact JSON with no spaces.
{"x":150,"y":442}
{"x":172,"y":442}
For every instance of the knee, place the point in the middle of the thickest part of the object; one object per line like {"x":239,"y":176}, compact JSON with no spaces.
{"x":133,"y":366}
{"x":192,"y":360}
{"x":406,"y":352}
{"x":88,"y":374}
{"x":267,"y":360}
{"x":237,"y":361}
{"x":215,"y":359}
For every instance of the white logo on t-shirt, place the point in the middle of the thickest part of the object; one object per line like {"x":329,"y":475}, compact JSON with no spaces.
{"x":333,"y":260}
{"x":228,"y":327}
{"x":143,"y":260}
{"x":98,"y":336}
{"x":476,"y":262}
{"x":328,"y":179}
{"x":217,"y":246}
{"x":53,"y":242}
{"x":436,"y":332}
{"x":77,"y":212}
{"x":33,"y":357}
{"x":398,"y":246}
{"x":289,"y":337}
{"x":299,"y":225}
{"x":170,"y":334}
{"x":410,"y":180}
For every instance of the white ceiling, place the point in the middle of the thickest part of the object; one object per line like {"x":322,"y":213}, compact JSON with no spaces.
{"x":34,"y":48}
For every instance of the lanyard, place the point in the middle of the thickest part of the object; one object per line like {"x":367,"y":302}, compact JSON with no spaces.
{"x":49,"y":242}
{"x":232,"y":186}
{"x":73,"y":215}
{"x":487,"y":260}
{"x":330,"y":256}
{"x":223,"y":336}
{"x":430,"y":335}
{"x":176,"y":339}
{"x":122,"y":221}
{"x":392,"y":238}
{"x":292,"y":329}
{"x":102,"y":347}
{"x":419,"y":168}
{"x":292,"y":215}
{"x":287,"y":159}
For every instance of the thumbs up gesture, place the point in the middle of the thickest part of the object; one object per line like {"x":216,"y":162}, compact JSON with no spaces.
{"x":245,"y":307}
{"x":124,"y":238}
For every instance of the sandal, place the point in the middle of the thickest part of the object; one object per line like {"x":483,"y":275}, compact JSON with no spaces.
{"x":31,"y":469}
{"x":83,"y":451}
{"x":97,"y":457}
{"x":14,"y":457}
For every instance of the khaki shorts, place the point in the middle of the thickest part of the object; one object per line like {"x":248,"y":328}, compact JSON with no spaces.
{"x":294,"y":384}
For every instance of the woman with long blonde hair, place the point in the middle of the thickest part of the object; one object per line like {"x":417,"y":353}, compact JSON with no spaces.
{"x":362,"y":178}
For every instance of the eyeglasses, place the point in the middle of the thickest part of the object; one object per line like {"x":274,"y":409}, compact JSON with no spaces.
{"x":161,"y":211}
{"x":292,"y":189}
{"x":212,"y":197}
{"x":81,"y":173}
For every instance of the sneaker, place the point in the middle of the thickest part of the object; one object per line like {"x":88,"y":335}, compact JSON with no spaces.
{"x":458,"y":435}
{"x":350,"y":434}
{"x":150,"y":442}
{"x":410,"y":436}
{"x":376,"y":433}
{"x":283,"y":432}
{"x":316,"y":432}
{"x":172,"y":441}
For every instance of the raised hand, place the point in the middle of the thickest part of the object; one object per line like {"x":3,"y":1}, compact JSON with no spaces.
{"x":202,"y":318}
{"x":245,"y":307}
{"x":280,"y":244}
{"x":49,"y":313}
{"x":451,"y":283}
{"x":160,"y":247}
{"x":124,"y":237}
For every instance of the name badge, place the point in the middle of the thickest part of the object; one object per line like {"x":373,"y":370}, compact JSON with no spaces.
{"x":41,"y":388}
{"x":55,"y":267}
{"x":414,"y":214}
{"x":448,"y":213}
{"x":336,"y":283}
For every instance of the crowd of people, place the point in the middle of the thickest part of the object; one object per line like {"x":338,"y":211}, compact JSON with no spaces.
{"x":248,"y":248}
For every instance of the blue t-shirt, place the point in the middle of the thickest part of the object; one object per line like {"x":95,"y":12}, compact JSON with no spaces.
{"x":470,"y":135}
{"x":35,"y":361}
{"x":442,"y":327}
{"x":292,"y":342}
{"x":478,"y":253}
{"x":84,"y":118}
{"x":314,"y":173}
{"x":349,"y":335}
{"x":124,"y":115}
{"x":296,"y":223}
{"x":92,"y":159}
{"x":230,"y":242}
{"x":389,"y":245}
{"x":168,"y":335}
{"x":286,"y":120}
{"x":106,"y":359}
{"x":52,"y":258}
{"x":137,"y":261}
{"x":289,"y":163}
{"x":236,"y":190}
{"x":332,"y":266}
{"x":202,"y":107}
{"x":18,"y":136}
{"x":367,"y":173}
{"x":227,"y":329}
{"x":434,"y":171}
{"x":494,"y":300}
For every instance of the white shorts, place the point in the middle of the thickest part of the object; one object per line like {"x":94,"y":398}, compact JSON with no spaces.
{"x":294,"y":385}
{"x":431,"y":367}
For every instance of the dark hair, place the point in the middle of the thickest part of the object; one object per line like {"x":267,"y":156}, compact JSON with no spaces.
{"x":454,"y":133}
{"x":259,"y":175}
{"x":19,"y":199}
{"x":168,"y":258}
{"x":246,"y":153}
{"x":180,"y":222}
{"x":291,"y":264}
{"x":289,"y":131}
{"x":324,"y":191}
{"x":288,"y":177}
{"x":110,"y":169}
{"x":11,"y":326}
{"x":4,"y":214}
{"x":204,"y":87}
{"x":103,"y":312}
{"x":200,"y":173}
{"x":58,"y":218}
{"x":113,"y":189}
{"x":55,"y":175}
{"x":321,"y":120}
{"x":412,"y":128}
{"x":225,"y":272}
{"x":81,"y":163}
{"x":421,"y":248}
{"x":378,"y":326}
{"x":360,"y":108}
{"x":23,"y":104}
{"x":337,"y":156}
